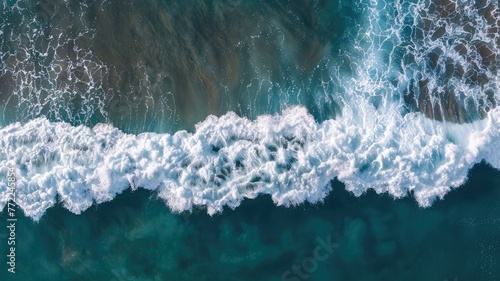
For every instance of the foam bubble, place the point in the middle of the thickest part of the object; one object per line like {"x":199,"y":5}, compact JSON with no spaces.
{"x":288,"y":156}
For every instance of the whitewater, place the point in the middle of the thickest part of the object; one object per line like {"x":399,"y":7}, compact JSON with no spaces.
{"x":288,"y":156}
{"x":376,"y":142}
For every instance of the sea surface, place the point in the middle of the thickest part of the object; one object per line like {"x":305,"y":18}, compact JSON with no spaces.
{"x":250,"y":140}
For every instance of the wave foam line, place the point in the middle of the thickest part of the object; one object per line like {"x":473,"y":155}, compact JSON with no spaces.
{"x":290,"y":157}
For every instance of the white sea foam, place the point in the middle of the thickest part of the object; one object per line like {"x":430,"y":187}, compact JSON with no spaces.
{"x":227,"y":159}
{"x":373,"y":144}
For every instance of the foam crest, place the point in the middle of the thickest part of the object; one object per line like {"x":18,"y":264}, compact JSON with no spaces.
{"x":406,"y":57}
{"x":288,"y":156}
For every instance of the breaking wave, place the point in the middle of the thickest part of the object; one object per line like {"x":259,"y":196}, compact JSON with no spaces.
{"x":409,"y":105}
{"x":227,"y":159}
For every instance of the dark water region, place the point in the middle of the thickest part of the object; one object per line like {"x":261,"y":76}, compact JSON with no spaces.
{"x":454,"y":57}
{"x":163,"y":65}
{"x":373,"y":237}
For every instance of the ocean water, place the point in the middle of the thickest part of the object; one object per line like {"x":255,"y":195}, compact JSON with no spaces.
{"x":260,"y":140}
{"x":374,"y":237}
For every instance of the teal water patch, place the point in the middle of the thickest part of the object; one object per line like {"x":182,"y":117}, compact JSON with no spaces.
{"x":360,"y":69}
{"x":372,"y":237}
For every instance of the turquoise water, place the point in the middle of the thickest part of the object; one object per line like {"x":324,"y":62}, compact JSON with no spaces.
{"x":135,"y":237}
{"x":250,"y":140}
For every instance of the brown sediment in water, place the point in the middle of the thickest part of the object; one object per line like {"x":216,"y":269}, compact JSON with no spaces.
{"x":201,"y":53}
{"x":443,"y":107}
{"x":199,"y":58}
{"x":141,"y":57}
{"x":445,"y":102}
